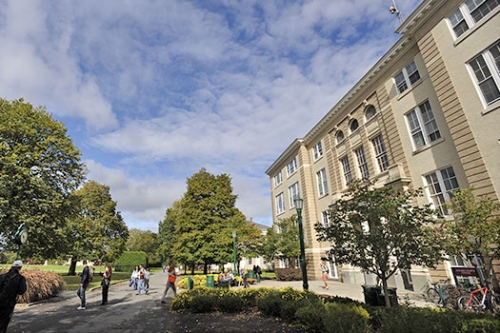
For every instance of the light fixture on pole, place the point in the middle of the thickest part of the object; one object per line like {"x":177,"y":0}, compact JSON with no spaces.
{"x":234,"y":253}
{"x":299,"y":202}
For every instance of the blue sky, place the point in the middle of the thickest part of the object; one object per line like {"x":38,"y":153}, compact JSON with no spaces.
{"x":152,"y":91}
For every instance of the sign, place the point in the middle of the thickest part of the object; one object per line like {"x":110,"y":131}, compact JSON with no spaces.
{"x":464,"y":271}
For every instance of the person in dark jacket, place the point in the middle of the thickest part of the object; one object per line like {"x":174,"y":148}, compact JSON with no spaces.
{"x":84,"y":283}
{"x":16,"y":284}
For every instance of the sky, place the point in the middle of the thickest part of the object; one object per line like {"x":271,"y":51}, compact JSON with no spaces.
{"x":152,"y":91}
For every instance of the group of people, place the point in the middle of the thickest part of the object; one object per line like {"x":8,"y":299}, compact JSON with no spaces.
{"x":140,"y":279}
{"x":86,"y":277}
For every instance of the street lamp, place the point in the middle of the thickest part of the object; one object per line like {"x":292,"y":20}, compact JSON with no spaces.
{"x":299,"y":203}
{"x":234,"y":253}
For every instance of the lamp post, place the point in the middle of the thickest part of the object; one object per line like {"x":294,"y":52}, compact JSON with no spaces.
{"x":299,"y":202}
{"x":234,"y":253}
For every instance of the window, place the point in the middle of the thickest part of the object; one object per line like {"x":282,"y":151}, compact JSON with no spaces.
{"x":423,"y":126}
{"x":280,"y":203}
{"x":380,"y":153}
{"x":370,"y":112}
{"x":340,"y":136}
{"x":322,"y":182}
{"x":354,"y":125}
{"x":347,"y":170}
{"x":440,"y":184}
{"x":292,"y":166}
{"x":325,"y":218}
{"x":486,"y":70}
{"x":278,"y":178}
{"x":317,"y":151}
{"x":293,"y":192}
{"x":362,"y":165}
{"x":469,"y":13}
{"x":407,"y":77}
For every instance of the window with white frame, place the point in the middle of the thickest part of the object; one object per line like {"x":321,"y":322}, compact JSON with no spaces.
{"x":407,"y":77}
{"x":293,"y":192}
{"x":347,"y":170}
{"x":322,"y":182}
{"x":440,"y":185}
{"x":486,"y":70}
{"x":423,"y":125}
{"x":317,"y":151}
{"x":469,"y":13}
{"x":325,"y":217}
{"x":280,"y":203}
{"x":380,"y":153}
{"x":362,"y":164}
{"x":339,"y":136}
{"x":278,"y":178}
{"x":292,"y":166}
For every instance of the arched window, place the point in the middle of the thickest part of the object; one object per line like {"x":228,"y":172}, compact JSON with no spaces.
{"x":340,"y":136}
{"x":354,"y":125}
{"x":370,"y":112}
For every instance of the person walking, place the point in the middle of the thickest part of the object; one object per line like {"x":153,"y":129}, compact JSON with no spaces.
{"x":106,"y":281}
{"x":171,"y":279}
{"x":134,"y":278}
{"x":13,"y":284}
{"x":142,"y":284}
{"x":84,"y":282}
{"x":324,"y":274}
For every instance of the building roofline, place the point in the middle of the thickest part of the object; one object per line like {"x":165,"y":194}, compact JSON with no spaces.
{"x":418,"y":16}
{"x":285,"y":155}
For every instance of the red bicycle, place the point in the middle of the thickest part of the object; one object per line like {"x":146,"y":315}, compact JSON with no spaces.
{"x":480,"y":300}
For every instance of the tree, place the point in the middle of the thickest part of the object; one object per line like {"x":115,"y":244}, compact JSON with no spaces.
{"x":98,"y":231}
{"x":283,"y":243}
{"x":145,"y":241}
{"x":166,"y":233}
{"x":39,"y":168}
{"x":205,"y":220}
{"x":380,"y":230}
{"x":475,"y":227}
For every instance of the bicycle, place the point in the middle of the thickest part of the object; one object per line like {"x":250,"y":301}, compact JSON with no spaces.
{"x":438,"y":293}
{"x":480,"y":300}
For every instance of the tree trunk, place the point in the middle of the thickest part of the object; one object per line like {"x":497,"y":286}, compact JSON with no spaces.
{"x":386,"y":294}
{"x":72,"y":267}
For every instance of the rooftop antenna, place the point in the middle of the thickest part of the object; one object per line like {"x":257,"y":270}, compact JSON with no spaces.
{"x":394,"y":10}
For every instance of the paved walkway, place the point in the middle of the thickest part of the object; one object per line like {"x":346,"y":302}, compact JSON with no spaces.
{"x":127,"y":312}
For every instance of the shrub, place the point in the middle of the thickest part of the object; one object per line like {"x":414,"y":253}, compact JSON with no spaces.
{"x":347,"y":318}
{"x":41,"y":285}
{"x":203,"y":303}
{"x":230,"y":303}
{"x":270,"y":305}
{"x":311,"y":317}
{"x":129,"y":259}
{"x":288,"y":274}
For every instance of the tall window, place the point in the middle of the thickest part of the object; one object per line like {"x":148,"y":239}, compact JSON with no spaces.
{"x":317,"y":151}
{"x":280,"y":203}
{"x":407,"y":77}
{"x":325,"y":217}
{"x":380,"y":153}
{"x":322,"y":182}
{"x":469,"y":13}
{"x":293,"y":192}
{"x":347,"y":170}
{"x":423,"y":125}
{"x":486,"y":69}
{"x":292,"y":166}
{"x":278,"y":178}
{"x":362,"y":165}
{"x":440,"y":184}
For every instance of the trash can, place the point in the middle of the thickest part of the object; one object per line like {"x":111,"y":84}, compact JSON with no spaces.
{"x":372,"y":294}
{"x":251,"y":275}
{"x":393,"y":297}
{"x":258,"y":278}
{"x":210,"y":281}
{"x":190,"y":283}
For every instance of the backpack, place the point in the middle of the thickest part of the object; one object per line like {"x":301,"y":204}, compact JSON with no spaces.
{"x":8,"y":289}
{"x":172,"y":278}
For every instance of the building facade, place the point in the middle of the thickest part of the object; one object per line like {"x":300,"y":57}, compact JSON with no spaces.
{"x":425,"y":115}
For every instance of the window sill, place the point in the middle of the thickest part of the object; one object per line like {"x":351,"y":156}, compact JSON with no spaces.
{"x":493,"y":107}
{"x":407,"y":91}
{"x":318,"y":159}
{"x":476,"y":26}
{"x":427,"y":146}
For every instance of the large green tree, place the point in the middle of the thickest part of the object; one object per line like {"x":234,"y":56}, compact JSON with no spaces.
{"x":283,"y":241}
{"x":145,"y":241}
{"x":166,"y":233}
{"x":39,"y":168}
{"x":204,"y":221}
{"x":98,"y":232}
{"x":382,"y":230}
